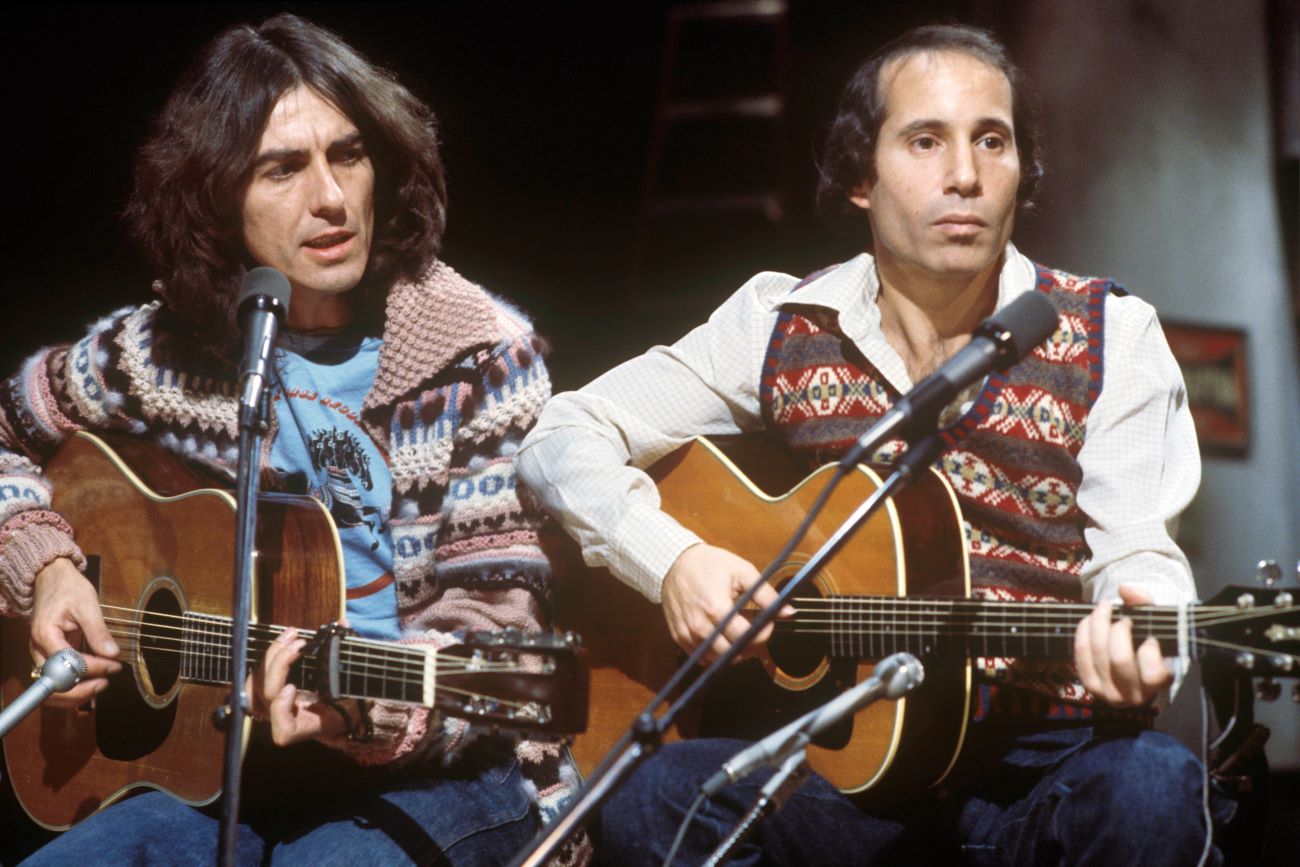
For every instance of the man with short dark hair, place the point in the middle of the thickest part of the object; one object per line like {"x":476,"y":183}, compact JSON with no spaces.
{"x":400,"y":390}
{"x":1071,"y":470}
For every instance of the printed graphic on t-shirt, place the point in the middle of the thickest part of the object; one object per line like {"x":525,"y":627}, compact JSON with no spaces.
{"x":338,"y":458}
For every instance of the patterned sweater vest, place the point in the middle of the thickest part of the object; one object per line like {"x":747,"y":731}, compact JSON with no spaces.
{"x":1012,"y":458}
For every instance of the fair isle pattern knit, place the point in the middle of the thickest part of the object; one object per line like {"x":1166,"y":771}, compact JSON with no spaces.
{"x":1011,"y":458}
{"x":460,"y":381}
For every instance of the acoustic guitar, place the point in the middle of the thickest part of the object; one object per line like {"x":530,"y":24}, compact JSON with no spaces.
{"x":901,"y":584}
{"x":159,"y":545}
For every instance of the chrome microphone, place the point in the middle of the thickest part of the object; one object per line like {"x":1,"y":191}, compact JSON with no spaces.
{"x":61,"y":672}
{"x":892,"y":678}
{"x":263,"y":305}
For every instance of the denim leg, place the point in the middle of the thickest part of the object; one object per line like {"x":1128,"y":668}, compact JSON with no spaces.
{"x":1101,"y":797}
{"x":476,"y":813}
{"x":149,"y":829}
{"x":816,"y":826}
{"x":479,"y":816}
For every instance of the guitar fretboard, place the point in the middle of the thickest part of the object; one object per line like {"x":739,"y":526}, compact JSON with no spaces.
{"x":866,"y":627}
{"x":367,"y":669}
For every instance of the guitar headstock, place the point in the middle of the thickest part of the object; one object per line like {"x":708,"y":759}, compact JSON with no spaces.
{"x":1258,"y":628}
{"x":533,"y":682}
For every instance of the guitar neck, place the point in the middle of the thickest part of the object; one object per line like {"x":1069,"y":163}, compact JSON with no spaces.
{"x":366,"y":669}
{"x":867,"y":627}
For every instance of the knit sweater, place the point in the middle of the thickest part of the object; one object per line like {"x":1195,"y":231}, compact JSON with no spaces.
{"x":460,"y":380}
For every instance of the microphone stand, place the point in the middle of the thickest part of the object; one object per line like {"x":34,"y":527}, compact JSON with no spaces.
{"x":790,"y":777}
{"x":231,"y":716}
{"x":646,"y":734}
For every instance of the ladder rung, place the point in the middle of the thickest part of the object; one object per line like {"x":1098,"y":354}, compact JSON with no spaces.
{"x":766,"y":10}
{"x":768,"y":105}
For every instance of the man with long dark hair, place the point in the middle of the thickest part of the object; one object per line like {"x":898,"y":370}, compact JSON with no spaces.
{"x":1071,"y":470}
{"x":400,"y":390}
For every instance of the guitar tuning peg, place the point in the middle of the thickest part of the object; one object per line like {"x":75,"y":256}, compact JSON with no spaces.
{"x":1268,"y":690}
{"x":1282,"y":662}
{"x":1268,"y":572}
{"x":1245,"y":601}
{"x":1284,"y":599}
{"x":1246,"y":660}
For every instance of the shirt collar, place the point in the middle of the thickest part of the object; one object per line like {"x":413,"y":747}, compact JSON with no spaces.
{"x":852,"y":288}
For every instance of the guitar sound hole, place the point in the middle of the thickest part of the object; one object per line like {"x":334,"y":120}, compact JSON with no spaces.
{"x":135,"y":715}
{"x":160,"y":641}
{"x":799,"y":647}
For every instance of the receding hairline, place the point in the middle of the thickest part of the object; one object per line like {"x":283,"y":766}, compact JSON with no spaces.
{"x":891,"y":68}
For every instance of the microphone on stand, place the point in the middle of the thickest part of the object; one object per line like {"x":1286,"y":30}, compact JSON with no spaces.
{"x":263,"y":305}
{"x":892,"y":678}
{"x":999,"y":342}
{"x":61,"y":672}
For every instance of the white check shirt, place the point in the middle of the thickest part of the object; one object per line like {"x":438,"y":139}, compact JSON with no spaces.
{"x":583,"y":459}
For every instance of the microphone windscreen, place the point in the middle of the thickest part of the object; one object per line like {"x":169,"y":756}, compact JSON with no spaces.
{"x":65,"y":668}
{"x":265,"y":281}
{"x":1030,"y":319}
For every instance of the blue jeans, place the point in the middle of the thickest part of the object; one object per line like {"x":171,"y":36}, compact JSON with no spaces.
{"x":1074,"y":795}
{"x":476,"y":815}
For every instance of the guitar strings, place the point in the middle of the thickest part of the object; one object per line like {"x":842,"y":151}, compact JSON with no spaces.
{"x":262,"y":635}
{"x":1037,"y":609}
{"x":360,"y":662}
{"x":850,"y":606}
{"x":358,"y":666}
{"x":1071,"y":609}
{"x":386,"y":674}
{"x":410,"y":662}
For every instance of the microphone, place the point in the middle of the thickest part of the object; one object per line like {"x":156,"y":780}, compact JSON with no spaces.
{"x":263,"y":305}
{"x":892,"y":678}
{"x":999,"y":342}
{"x":60,"y":673}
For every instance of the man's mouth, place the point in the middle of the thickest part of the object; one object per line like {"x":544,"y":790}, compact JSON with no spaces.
{"x":969,"y":220}
{"x":329,"y":240}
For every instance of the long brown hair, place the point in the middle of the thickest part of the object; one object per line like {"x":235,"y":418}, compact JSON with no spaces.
{"x":191,"y":172}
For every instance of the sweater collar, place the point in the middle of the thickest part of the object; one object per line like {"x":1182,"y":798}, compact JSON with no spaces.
{"x":429,"y":323}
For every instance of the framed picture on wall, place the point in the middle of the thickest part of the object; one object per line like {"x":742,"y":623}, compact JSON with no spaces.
{"x":1213,"y":361}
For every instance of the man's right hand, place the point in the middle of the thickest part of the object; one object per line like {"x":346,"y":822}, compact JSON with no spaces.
{"x":702,"y":585}
{"x":64,"y":608}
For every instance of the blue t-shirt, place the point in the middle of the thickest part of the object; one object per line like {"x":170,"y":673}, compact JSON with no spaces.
{"x":322,"y":450}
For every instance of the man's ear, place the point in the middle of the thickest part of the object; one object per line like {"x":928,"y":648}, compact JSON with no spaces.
{"x":860,"y":196}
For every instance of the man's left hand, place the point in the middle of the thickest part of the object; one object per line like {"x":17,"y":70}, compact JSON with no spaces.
{"x":275,"y":698}
{"x":1108,"y":665}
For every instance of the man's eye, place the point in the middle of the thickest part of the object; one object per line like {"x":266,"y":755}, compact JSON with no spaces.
{"x":993,"y":142}
{"x":925,"y":143}
{"x":280,"y":172}
{"x":352,"y":156}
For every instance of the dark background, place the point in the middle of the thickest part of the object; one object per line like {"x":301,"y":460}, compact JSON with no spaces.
{"x":545,"y":110}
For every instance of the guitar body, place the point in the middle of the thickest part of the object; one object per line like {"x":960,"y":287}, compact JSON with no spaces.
{"x":913,"y":546}
{"x":159,"y":541}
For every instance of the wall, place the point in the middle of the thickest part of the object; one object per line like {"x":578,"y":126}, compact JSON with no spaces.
{"x":1158,"y":123}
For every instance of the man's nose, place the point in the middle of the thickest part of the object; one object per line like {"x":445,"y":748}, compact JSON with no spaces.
{"x":326,"y":194}
{"x":963,"y":171}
